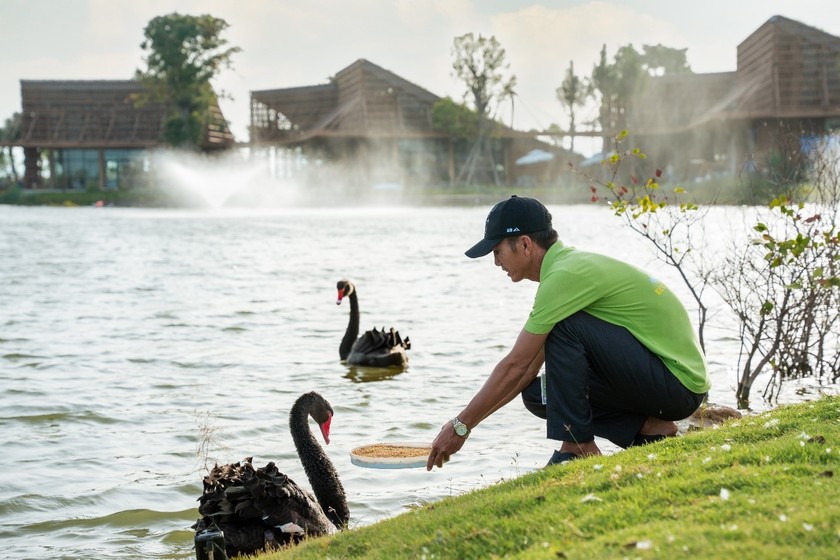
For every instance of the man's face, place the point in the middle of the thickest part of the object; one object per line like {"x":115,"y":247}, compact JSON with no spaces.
{"x":511,"y":259}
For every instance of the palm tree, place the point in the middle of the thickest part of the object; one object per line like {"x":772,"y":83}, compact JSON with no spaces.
{"x":573,"y":93}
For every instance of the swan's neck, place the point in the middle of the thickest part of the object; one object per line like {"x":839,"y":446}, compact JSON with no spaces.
{"x":320,"y":471}
{"x":352,"y":332}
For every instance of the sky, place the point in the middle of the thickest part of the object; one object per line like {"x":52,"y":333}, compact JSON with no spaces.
{"x":293,"y":43}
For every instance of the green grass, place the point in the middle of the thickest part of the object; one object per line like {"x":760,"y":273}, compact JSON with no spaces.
{"x":133,"y":197}
{"x":762,"y":487}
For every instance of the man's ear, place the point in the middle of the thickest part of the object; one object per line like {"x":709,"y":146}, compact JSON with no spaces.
{"x":527,"y":243}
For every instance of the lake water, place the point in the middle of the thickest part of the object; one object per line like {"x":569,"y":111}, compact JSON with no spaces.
{"x":139,"y":346}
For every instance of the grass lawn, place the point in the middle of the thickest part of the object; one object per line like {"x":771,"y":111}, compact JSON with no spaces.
{"x":761,"y":486}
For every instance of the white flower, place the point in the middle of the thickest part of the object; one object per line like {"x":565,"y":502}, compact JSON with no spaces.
{"x":598,"y":466}
{"x":706,"y":460}
{"x":618,"y":468}
{"x":644,"y":545}
{"x":783,"y":518}
{"x":771,"y":423}
{"x":807,"y":526}
{"x":591,"y":498}
{"x":725,"y":447}
{"x":724,"y":494}
{"x":651,"y":456}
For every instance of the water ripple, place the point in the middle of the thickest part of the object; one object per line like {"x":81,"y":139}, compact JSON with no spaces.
{"x":179,"y":339}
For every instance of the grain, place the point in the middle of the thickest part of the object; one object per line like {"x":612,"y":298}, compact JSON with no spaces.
{"x":395,"y":451}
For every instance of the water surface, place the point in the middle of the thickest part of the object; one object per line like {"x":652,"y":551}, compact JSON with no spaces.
{"x":139,"y":346}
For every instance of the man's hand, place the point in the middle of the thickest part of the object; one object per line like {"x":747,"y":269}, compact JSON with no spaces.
{"x":446,"y":444}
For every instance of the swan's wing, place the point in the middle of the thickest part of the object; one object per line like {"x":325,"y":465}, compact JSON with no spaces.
{"x":256,"y":508}
{"x":375,"y":341}
{"x":283,"y":503}
{"x":224,"y":494}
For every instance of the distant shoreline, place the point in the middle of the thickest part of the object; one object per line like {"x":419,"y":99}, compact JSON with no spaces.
{"x":142,"y":198}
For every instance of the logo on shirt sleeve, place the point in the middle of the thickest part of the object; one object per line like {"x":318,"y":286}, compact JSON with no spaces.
{"x":658,"y":287}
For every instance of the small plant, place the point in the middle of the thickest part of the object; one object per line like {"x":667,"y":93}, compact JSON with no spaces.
{"x":783,"y":286}
{"x":785,"y":289}
{"x":668,"y":220}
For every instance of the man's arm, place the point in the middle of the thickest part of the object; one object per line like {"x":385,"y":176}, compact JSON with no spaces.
{"x":533,"y":371}
{"x":510,"y":376}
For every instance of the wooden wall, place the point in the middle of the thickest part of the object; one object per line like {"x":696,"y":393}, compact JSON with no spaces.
{"x":794,"y":68}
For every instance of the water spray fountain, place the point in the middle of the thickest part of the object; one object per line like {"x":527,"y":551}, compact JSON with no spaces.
{"x":233,"y":179}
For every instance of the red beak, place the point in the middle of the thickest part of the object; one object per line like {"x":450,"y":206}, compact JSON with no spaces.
{"x":325,"y":429}
{"x":340,"y":297}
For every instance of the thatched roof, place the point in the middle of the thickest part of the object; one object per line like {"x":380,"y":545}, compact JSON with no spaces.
{"x":362,"y":100}
{"x":96,"y":114}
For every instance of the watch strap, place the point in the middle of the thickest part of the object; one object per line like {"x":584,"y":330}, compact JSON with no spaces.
{"x":456,"y":423}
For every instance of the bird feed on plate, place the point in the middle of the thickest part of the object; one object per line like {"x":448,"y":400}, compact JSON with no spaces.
{"x":391,"y":455}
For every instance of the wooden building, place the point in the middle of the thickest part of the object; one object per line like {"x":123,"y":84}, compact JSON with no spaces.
{"x":784,"y":92}
{"x":92,"y":134}
{"x":374,"y":126}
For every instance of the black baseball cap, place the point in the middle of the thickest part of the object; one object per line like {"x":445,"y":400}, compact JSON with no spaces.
{"x":517,"y":215}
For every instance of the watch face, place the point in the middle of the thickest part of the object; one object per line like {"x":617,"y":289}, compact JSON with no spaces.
{"x":460,"y":429}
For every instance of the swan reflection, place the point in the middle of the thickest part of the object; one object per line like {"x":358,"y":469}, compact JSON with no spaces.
{"x":362,"y":374}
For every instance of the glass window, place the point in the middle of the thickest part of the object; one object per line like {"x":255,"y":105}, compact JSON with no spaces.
{"x":123,"y":168}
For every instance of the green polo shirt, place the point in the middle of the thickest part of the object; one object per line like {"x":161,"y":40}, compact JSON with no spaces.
{"x":621,"y":294}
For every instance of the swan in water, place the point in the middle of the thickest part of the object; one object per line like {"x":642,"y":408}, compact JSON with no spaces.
{"x":374,"y":348}
{"x":259,"y":509}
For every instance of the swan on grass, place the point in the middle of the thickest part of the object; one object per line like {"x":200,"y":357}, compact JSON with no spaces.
{"x":374,"y":348}
{"x":262,"y":508}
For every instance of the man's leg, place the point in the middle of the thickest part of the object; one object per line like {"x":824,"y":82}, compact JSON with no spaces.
{"x":532,"y":398}
{"x":602,"y":381}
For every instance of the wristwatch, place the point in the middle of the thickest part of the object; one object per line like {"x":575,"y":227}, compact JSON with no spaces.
{"x":460,"y":428}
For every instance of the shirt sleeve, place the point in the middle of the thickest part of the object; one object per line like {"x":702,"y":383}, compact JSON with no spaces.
{"x":560,"y":294}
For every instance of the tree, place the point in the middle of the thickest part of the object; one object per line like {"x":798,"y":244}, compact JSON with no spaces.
{"x":620,"y":82}
{"x":10,"y":132}
{"x":459,"y":123}
{"x":659,"y":60}
{"x":604,"y":80}
{"x":480,"y":63}
{"x":572,"y":93}
{"x":184,"y":54}
{"x":456,"y":120}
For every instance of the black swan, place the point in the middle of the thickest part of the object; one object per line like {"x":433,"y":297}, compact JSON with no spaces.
{"x":374,"y":348}
{"x":259,"y":509}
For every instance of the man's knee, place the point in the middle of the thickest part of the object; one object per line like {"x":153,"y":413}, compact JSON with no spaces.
{"x":532,"y":399}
